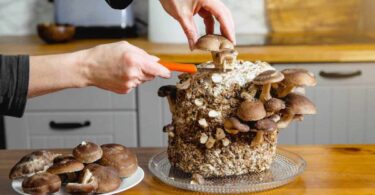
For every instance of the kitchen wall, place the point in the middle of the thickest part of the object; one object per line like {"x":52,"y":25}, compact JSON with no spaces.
{"x":19,"y":17}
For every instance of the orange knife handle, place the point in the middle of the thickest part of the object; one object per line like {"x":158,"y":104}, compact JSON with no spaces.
{"x":188,"y":68}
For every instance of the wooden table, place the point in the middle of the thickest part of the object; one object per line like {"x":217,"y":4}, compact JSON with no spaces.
{"x":336,"y":169}
{"x":293,"y":48}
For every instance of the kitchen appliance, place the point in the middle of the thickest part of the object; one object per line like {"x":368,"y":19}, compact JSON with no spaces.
{"x":95,"y":19}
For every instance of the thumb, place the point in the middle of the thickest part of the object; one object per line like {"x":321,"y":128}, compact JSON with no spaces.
{"x":190,"y":29}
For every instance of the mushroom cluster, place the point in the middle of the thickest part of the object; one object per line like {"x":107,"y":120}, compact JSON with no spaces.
{"x":91,"y":169}
{"x":272,"y":106}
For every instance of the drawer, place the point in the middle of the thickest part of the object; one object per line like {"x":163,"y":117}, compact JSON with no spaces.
{"x":35,"y":130}
{"x":326,"y":74}
{"x":90,"y":98}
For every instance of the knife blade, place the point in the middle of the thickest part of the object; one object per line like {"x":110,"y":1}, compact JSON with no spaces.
{"x":188,"y":68}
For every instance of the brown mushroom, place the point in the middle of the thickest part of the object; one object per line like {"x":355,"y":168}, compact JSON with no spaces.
{"x":41,"y":183}
{"x":234,"y":125}
{"x":87,"y":152}
{"x":222,"y":50}
{"x":296,"y":104}
{"x":266,"y":78}
{"x":119,"y":157}
{"x":274,"y":105}
{"x":263,"y":126}
{"x":107,"y":177}
{"x":32,"y":163}
{"x":66,"y":167}
{"x":212,"y":42}
{"x":169,"y":91}
{"x":65,"y":164}
{"x":295,"y":78}
{"x":251,"y":110}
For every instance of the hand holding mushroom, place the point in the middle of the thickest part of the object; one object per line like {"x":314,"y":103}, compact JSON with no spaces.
{"x":183,"y":12}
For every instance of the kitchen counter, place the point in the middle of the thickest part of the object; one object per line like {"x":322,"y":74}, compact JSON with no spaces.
{"x":331,"y":169}
{"x":286,"y":49}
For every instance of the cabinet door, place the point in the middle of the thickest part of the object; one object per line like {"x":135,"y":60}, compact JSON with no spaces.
{"x":153,"y":112}
{"x":35,"y":130}
{"x":90,"y":98}
{"x":345,"y":106}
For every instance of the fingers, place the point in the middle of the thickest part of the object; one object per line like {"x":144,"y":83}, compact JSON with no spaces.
{"x":208,"y":20}
{"x":190,"y":29}
{"x":223,"y":15}
{"x":154,"y":68}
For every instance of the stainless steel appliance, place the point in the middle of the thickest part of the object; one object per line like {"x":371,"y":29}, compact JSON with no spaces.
{"x":95,"y":18}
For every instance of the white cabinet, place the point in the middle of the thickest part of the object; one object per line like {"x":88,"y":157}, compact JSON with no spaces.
{"x":64,"y":119}
{"x":346,"y":107}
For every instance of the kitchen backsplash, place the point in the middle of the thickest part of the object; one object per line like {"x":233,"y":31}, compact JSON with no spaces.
{"x":19,"y":17}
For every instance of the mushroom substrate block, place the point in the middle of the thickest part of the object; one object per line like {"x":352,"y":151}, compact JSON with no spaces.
{"x":226,"y":123}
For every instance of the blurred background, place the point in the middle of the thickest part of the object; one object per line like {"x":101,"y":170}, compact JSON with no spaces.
{"x":339,"y":35}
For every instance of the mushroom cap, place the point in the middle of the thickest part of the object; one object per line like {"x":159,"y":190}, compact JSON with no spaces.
{"x":234,"y":123}
{"x":212,"y":42}
{"x":274,"y":105}
{"x":251,"y":110}
{"x":87,"y":152}
{"x":268,"y":76}
{"x":299,"y":104}
{"x":41,"y":183}
{"x":298,"y":77}
{"x":65,"y":164}
{"x":107,"y":177}
{"x":167,"y":90}
{"x":32,"y":163}
{"x":119,"y":157}
{"x":266,"y":125}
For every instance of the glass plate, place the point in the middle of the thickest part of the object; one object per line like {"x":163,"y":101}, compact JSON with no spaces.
{"x":284,"y":169}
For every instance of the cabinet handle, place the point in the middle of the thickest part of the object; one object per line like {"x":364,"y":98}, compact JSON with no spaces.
{"x":340,"y":75}
{"x":67,"y":126}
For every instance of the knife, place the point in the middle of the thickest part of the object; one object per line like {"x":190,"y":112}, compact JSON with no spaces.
{"x":188,"y":68}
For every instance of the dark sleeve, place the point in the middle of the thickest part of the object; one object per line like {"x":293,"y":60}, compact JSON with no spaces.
{"x":118,"y":4}
{"x":14,"y":83}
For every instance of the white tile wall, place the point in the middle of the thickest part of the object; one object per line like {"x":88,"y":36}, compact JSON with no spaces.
{"x":19,"y":17}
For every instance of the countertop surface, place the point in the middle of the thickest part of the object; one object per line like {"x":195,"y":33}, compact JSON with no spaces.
{"x":331,"y":169}
{"x":291,"y":48}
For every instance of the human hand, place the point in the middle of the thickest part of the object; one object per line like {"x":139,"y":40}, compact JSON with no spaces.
{"x":120,"y":67}
{"x":184,"y":10}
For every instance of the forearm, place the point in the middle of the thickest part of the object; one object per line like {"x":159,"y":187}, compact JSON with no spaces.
{"x":56,"y":72}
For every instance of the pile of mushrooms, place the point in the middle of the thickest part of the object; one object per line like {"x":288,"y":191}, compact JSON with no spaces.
{"x":278,"y":105}
{"x":90,"y":169}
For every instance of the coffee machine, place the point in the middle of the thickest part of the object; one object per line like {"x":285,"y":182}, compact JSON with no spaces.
{"x":95,"y":18}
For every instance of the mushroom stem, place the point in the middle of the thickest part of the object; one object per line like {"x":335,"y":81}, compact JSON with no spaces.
{"x":285,"y":91}
{"x":265,"y":94}
{"x":258,"y":139}
{"x":285,"y":120}
{"x":171,"y":104}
